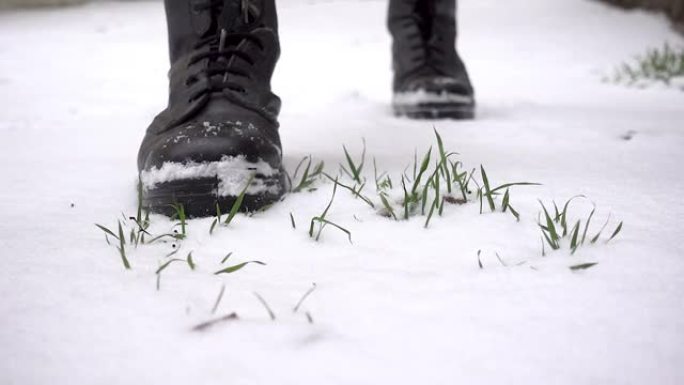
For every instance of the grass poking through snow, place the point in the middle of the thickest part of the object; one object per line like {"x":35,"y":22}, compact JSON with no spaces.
{"x":557,"y":230}
{"x":658,"y":65}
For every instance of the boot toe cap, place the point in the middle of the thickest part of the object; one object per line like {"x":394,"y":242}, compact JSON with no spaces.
{"x":206,"y":141}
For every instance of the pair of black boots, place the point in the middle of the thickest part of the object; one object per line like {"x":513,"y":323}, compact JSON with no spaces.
{"x":218,"y":138}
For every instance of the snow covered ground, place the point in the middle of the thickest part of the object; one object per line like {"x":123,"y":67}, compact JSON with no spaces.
{"x":402,"y":304}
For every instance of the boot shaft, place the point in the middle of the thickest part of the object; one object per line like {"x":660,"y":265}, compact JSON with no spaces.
{"x":189,"y":21}
{"x":424,"y":39}
{"x":223,"y":54}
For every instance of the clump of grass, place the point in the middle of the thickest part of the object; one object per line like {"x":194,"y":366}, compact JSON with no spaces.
{"x":555,"y":228}
{"x":309,"y":175}
{"x":657,"y":65}
{"x":438,"y":179}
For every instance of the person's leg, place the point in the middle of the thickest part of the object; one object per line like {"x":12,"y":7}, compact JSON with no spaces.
{"x":430,"y":79}
{"x":219,"y":133}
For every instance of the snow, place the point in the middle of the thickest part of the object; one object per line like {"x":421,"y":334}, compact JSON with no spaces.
{"x":401,"y":304}
{"x":233,"y":173}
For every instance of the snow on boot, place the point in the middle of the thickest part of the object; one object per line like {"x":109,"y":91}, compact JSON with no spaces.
{"x":430,"y":79}
{"x":219,"y":134}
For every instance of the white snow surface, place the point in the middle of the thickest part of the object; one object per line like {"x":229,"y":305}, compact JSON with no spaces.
{"x":233,"y":173}
{"x":402,"y":304}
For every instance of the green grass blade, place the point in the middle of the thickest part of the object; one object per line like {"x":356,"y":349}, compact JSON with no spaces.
{"x":305,"y":177}
{"x":234,"y":268}
{"x":487,"y":190}
{"x":506,"y":198}
{"x":327,"y":222}
{"x":265,"y":305}
{"x":332,"y":199}
{"x":423,"y":167}
{"x":596,"y":237}
{"x":355,"y":172}
{"x":586,"y":226}
{"x":191,"y":263}
{"x":387,"y":206}
{"x":226,"y":257}
{"x":301,"y":162}
{"x":122,"y":247}
{"x":218,"y":299}
{"x":107,"y":231}
{"x":551,"y":228}
{"x":583,"y":266}
{"x":429,"y":216}
{"x":166,"y":264}
{"x":443,"y":160}
{"x":514,"y":212}
{"x":574,"y":244}
{"x":407,"y":200}
{"x":238,"y":202}
{"x":615,"y":233}
{"x":507,"y":185}
{"x":354,"y":192}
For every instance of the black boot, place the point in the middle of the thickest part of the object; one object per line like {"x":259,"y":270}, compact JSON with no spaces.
{"x":219,"y":132}
{"x":430,"y":79}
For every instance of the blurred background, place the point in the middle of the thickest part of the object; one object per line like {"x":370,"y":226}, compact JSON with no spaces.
{"x":674,"y":9}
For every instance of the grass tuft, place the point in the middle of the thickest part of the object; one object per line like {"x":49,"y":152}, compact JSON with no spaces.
{"x":658,"y":65}
{"x":555,"y":228}
{"x":309,"y":176}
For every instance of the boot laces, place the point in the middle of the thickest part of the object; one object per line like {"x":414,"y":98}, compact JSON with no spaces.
{"x":224,"y":41}
{"x":420,"y":42}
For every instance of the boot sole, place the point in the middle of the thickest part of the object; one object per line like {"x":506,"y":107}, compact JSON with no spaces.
{"x":435,"y":111}
{"x":200,"y":196}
